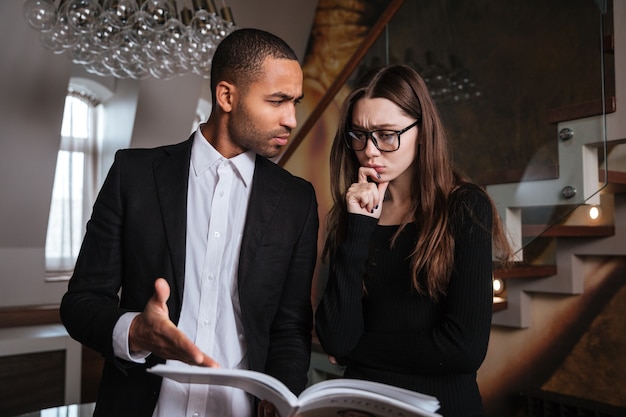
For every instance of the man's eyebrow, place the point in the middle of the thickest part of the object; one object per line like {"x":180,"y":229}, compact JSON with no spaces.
{"x":285,"y":96}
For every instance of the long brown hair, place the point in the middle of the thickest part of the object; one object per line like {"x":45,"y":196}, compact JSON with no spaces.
{"x":431,"y":186}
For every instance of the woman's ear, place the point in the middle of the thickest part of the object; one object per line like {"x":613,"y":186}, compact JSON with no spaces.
{"x":224,"y":94}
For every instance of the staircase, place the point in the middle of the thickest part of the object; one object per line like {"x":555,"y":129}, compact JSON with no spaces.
{"x":592,"y":172}
{"x":548,"y":222}
{"x":553,"y":261}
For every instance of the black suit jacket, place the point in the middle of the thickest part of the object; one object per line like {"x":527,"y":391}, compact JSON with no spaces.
{"x":137,"y":233}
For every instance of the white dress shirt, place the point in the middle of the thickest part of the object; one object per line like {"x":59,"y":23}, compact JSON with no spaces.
{"x":217,"y":201}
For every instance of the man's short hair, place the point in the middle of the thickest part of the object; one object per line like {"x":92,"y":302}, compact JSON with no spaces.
{"x":239,"y":58}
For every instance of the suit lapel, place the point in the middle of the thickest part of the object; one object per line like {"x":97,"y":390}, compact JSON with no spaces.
{"x":171,"y":174}
{"x":264,"y":198}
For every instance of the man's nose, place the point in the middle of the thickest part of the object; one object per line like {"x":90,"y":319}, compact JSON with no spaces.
{"x":289,"y":118}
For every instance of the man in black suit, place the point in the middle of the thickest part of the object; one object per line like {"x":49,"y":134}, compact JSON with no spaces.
{"x":203,"y":251}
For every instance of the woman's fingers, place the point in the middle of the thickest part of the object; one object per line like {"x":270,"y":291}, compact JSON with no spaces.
{"x":366,"y":196}
{"x":367,"y":174}
{"x":361,"y":197}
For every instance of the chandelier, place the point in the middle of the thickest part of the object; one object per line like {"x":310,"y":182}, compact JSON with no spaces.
{"x":446,"y":84}
{"x":132,"y":38}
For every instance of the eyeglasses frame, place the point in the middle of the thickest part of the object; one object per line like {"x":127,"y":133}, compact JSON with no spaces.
{"x":370,"y":135}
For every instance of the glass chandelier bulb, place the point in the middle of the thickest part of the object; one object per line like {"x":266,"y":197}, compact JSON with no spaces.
{"x":203,"y":69}
{"x":128,"y":51}
{"x":140,"y":29}
{"x":51,"y":41}
{"x":462,"y":85}
{"x":61,"y":36}
{"x":110,"y":62}
{"x":203,"y":56}
{"x":82,"y":15}
{"x":202,"y":25}
{"x":436,"y":77}
{"x":221,"y":30}
{"x":162,"y":70}
{"x":40,"y":14}
{"x":107,"y":32}
{"x":122,"y":9}
{"x":172,"y":36}
{"x":82,"y":52}
{"x":136,"y":70}
{"x":160,"y":11}
{"x":97,"y":68}
{"x":190,"y":47}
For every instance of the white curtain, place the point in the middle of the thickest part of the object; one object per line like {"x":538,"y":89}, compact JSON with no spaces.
{"x":75,"y":183}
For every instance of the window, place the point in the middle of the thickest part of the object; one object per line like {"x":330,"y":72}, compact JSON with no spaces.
{"x":202,"y":113}
{"x":75,"y":182}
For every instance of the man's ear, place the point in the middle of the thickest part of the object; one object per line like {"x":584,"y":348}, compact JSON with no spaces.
{"x":224,"y":95}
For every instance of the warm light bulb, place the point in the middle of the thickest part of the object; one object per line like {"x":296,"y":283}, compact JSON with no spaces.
{"x":498,"y":286}
{"x":594,"y":212}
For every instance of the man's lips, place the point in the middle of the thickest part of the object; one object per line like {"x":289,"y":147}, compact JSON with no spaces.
{"x":282,"y":141}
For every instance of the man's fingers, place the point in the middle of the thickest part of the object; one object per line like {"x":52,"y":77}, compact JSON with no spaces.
{"x":153,"y":331}
{"x":187,"y":350}
{"x":161,"y":290}
{"x":266,"y":409}
{"x":206,"y":360}
{"x":171,"y":343}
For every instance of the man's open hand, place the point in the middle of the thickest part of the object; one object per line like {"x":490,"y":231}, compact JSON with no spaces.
{"x":153,"y":331}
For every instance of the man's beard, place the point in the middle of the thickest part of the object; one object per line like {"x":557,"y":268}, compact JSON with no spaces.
{"x":243,"y":133}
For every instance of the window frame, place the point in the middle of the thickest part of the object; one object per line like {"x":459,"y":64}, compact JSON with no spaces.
{"x":67,"y":218}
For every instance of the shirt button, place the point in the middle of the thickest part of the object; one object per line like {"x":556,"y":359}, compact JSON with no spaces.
{"x":211,"y":277}
{"x":216,"y":235}
{"x":195,"y":415}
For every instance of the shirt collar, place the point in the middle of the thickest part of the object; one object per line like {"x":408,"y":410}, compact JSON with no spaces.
{"x":204,"y":156}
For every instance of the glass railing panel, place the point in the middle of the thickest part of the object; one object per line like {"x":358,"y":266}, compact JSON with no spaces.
{"x":509,"y":80}
{"x":523,"y":89}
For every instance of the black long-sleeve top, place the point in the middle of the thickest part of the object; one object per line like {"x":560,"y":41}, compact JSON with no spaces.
{"x":373,"y":321}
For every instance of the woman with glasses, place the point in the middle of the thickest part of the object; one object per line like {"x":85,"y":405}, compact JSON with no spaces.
{"x":409,"y":296}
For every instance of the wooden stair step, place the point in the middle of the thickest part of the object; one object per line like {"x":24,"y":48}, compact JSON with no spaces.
{"x":559,"y":230}
{"x":499,"y":303}
{"x":520,"y":270}
{"x":580,"y":110}
{"x":614,"y":177}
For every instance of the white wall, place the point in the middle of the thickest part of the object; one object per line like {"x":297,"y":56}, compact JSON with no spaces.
{"x":33,"y":83}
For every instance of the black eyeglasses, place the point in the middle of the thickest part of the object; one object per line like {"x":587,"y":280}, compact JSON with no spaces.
{"x":384,"y":140}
